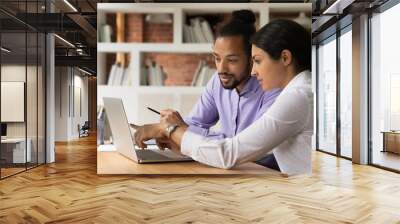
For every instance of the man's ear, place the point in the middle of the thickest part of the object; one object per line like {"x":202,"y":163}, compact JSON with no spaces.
{"x":286,"y":57}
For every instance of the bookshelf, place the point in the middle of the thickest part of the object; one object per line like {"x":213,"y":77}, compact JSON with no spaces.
{"x":135,"y":96}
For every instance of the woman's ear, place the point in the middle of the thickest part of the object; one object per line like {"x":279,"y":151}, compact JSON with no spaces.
{"x":286,"y":57}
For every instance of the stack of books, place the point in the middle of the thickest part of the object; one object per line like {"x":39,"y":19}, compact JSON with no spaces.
{"x":152,"y":74}
{"x":105,"y":33}
{"x":202,"y":74}
{"x":199,"y":31}
{"x":119,"y":76}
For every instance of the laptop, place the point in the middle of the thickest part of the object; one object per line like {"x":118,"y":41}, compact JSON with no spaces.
{"x":3,"y":131}
{"x":123,"y":137}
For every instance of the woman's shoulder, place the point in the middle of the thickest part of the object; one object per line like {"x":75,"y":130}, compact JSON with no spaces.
{"x":299,"y":92}
{"x":292,"y":104}
{"x":296,"y":97}
{"x":299,"y":88}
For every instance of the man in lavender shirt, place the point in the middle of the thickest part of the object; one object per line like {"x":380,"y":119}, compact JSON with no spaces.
{"x":232,"y":96}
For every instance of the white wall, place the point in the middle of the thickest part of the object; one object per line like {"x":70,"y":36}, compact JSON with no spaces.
{"x":314,"y":88}
{"x":12,"y":73}
{"x":33,"y":126}
{"x":69,"y":85}
{"x":81,"y":84}
{"x":61,"y":103}
{"x":82,"y":81}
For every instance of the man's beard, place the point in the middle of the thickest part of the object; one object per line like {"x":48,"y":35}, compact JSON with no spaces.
{"x":233,"y":82}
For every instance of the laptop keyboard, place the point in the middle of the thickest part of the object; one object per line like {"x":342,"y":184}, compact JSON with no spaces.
{"x":170,"y":154}
{"x":145,"y":154}
{"x":159,"y":155}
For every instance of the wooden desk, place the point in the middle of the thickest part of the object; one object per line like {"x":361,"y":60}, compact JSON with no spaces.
{"x":113,"y":163}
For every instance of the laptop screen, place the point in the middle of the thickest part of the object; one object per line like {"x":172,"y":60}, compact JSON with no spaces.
{"x":3,"y":129}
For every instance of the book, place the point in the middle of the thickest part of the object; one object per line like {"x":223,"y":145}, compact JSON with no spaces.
{"x":155,"y":74}
{"x":192,"y":35}
{"x":203,"y":74}
{"x":187,"y":36}
{"x":105,"y":33}
{"x":163,"y":75}
{"x":126,"y":78}
{"x":111,"y":75}
{"x":143,"y":76}
{"x":195,"y":23}
{"x":197,"y":72}
{"x":151,"y":77}
{"x":199,"y":31}
{"x":206,"y":30}
{"x":118,"y":76}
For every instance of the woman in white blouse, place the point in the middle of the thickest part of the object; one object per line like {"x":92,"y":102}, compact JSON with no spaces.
{"x":281,"y":54}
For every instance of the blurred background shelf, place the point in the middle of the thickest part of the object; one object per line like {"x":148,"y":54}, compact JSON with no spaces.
{"x":144,"y":39}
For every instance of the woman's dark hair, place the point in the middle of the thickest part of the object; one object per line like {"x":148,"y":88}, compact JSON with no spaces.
{"x":282,"y":34}
{"x":241,"y":24}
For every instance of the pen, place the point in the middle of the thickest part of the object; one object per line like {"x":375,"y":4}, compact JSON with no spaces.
{"x":153,"y":110}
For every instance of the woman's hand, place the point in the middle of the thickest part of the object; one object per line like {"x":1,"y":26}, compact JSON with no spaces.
{"x":159,"y":131}
{"x":166,"y":143}
{"x":149,"y":131}
{"x":163,"y":143}
{"x":169,"y":117}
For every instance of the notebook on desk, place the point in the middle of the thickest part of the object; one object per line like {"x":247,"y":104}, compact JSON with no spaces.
{"x":123,"y":134}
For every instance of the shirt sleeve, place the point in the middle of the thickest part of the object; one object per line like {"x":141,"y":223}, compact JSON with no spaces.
{"x":205,"y":113}
{"x":286,"y":118}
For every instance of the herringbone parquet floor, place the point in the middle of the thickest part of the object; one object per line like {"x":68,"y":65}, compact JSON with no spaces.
{"x":69,"y":191}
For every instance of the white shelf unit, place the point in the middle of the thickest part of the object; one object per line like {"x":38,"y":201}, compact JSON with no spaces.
{"x":181,"y":98}
{"x":136,"y":97}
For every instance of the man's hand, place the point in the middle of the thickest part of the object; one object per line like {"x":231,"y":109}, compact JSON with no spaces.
{"x":172,"y":117}
{"x":159,"y":131}
{"x":147,"y":132}
{"x":166,"y":143}
{"x":163,"y":143}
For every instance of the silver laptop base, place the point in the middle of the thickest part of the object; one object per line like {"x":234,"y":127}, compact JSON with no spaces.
{"x":152,"y":156}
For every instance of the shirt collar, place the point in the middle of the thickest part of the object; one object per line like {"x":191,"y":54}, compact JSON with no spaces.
{"x":251,"y":86}
{"x":302,"y":79}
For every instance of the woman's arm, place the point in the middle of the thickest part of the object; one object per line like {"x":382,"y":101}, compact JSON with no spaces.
{"x":286,"y":118}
